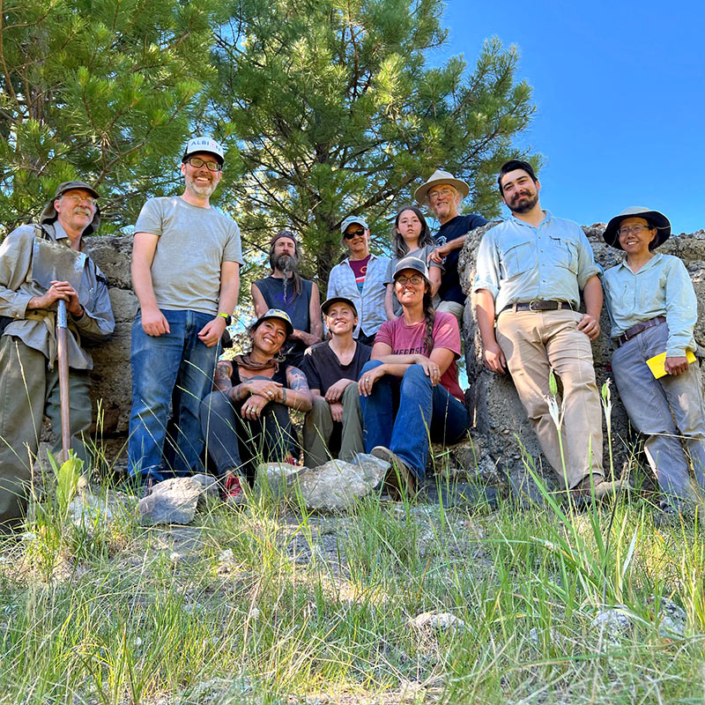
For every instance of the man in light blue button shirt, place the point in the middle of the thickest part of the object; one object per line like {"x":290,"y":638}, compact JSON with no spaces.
{"x":530,"y":271}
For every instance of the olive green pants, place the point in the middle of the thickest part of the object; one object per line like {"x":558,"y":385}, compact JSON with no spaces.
{"x":28,"y":390}
{"x":319,"y":427}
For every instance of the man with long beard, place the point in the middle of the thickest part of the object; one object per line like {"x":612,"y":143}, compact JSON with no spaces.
{"x":185,"y":270}
{"x":530,"y":271}
{"x":285,"y":289}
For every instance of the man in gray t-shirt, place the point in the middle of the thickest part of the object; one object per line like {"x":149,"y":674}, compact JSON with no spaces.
{"x":185,"y":271}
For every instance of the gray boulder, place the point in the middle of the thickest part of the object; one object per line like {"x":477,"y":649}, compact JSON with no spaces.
{"x":171,"y":502}
{"x":337,"y":485}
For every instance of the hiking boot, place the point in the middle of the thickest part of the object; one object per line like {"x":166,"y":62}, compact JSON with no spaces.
{"x":234,"y":489}
{"x":400,"y":480}
{"x":599,"y":489}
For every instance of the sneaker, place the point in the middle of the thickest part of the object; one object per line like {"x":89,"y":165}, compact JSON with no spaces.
{"x":400,"y":480}
{"x":234,"y":490}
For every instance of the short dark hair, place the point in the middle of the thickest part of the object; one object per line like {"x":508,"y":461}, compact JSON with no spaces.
{"x":513,"y":165}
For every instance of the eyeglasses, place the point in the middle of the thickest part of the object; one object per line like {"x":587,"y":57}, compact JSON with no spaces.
{"x":353,"y":234}
{"x":76,"y":200}
{"x":441,"y":192}
{"x":415,"y":280}
{"x":197,"y":163}
{"x":634,"y":229}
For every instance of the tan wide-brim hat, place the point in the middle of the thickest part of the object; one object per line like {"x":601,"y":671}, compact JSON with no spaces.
{"x":654,"y":218}
{"x":438,"y":178}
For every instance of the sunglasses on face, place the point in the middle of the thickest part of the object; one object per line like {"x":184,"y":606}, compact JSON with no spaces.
{"x":353,"y":234}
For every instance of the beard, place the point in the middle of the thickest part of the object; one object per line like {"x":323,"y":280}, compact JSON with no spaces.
{"x":286,"y":264}
{"x":527,"y":203}
{"x":202,"y":190}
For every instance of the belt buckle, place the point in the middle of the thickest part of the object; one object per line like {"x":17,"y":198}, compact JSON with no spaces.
{"x":531,"y":305}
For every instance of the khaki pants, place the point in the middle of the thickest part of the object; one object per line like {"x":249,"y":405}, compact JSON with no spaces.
{"x":319,"y":427}
{"x":534,"y":343}
{"x":28,"y":389}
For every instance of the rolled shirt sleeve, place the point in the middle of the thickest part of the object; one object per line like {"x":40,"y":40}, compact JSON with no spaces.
{"x":487,"y":267}
{"x":681,"y":309}
{"x":15,"y":264}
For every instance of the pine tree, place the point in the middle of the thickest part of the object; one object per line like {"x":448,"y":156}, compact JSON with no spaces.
{"x":337,"y":112}
{"x":99,"y":90}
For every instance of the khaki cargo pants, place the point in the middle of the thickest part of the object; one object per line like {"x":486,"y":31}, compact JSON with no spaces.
{"x":534,"y":343}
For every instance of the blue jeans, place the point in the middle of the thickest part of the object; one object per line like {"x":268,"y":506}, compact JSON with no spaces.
{"x":178,"y":368}
{"x":405,"y":414}
{"x":238,"y":444}
{"x":650,"y":402}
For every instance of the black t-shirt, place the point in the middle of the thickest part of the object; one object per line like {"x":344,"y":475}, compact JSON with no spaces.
{"x":323,"y":369}
{"x":450,"y":289}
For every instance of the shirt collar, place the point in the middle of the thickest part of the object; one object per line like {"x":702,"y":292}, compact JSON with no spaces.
{"x":61,"y":236}
{"x":651,"y":263}
{"x":546,"y":218}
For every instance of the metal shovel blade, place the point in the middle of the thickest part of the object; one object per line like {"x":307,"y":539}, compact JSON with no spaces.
{"x":52,"y":261}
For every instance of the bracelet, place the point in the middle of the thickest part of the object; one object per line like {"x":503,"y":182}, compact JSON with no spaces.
{"x":283,"y":395}
{"x":226,"y":316}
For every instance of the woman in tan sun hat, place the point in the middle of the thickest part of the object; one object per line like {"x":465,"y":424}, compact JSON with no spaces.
{"x":653,"y":310}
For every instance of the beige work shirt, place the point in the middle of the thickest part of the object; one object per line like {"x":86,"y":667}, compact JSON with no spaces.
{"x":37,"y":328}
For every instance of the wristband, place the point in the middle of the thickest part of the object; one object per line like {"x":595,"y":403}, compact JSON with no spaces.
{"x":224,"y":315}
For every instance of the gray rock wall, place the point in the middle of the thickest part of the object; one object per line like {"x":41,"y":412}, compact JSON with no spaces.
{"x":112,"y":378}
{"x":498,"y":414}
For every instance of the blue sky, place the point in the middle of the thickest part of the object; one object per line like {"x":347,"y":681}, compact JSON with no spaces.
{"x":620,"y":95}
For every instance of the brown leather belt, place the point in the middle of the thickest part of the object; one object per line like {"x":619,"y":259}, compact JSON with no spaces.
{"x":638,"y":328}
{"x":538,"y":306}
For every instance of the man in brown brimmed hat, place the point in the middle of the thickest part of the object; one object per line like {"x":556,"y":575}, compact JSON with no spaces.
{"x":29,"y":377}
{"x":443,"y":194}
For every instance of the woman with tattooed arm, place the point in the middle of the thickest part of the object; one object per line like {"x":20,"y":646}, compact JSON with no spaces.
{"x":246,"y":420}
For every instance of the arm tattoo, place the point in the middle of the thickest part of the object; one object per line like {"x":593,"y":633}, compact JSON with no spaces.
{"x":223,"y":370}
{"x":297,"y":379}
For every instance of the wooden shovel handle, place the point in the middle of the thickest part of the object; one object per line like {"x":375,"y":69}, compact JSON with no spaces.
{"x":63,"y":359}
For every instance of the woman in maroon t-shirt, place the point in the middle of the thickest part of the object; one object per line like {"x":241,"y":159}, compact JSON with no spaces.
{"x":409,"y":391}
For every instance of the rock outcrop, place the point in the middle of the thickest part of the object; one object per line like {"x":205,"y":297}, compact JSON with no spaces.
{"x":499,"y":419}
{"x":111,"y":376}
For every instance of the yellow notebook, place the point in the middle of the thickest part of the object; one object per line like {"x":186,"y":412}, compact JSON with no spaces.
{"x":657,"y":363}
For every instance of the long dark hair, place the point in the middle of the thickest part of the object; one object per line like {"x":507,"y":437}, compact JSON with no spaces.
{"x":398,"y":242}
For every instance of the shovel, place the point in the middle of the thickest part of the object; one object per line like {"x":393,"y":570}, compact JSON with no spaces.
{"x":52,"y":261}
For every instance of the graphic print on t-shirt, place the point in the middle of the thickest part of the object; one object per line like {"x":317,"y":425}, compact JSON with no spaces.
{"x":359,"y":267}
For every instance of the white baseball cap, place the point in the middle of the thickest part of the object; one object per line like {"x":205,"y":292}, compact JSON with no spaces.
{"x":204,"y":144}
